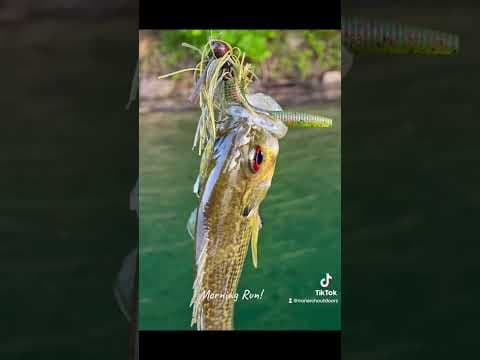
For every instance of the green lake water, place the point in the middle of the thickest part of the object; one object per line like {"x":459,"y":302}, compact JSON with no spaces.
{"x":298,"y":244}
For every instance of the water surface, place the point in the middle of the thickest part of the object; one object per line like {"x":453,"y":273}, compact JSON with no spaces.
{"x":298,"y":244}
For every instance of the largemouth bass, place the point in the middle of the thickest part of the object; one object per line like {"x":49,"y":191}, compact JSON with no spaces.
{"x":239,"y":176}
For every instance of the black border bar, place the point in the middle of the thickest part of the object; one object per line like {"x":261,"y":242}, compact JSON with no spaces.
{"x":256,"y":343}
{"x":153,"y":15}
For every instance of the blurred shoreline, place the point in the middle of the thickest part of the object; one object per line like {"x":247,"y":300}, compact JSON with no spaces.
{"x":171,"y":95}
{"x":294,"y":67}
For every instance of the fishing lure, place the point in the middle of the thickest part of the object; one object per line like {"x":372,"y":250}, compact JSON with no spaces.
{"x":233,"y":93}
{"x":371,"y":36}
{"x":360,"y":36}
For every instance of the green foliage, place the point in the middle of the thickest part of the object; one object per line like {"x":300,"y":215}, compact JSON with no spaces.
{"x":256,"y":41}
{"x":312,"y":50}
{"x":304,"y":62}
{"x":327,"y":45}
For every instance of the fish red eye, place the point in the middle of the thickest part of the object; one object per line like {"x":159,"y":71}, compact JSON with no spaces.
{"x":257,"y":159}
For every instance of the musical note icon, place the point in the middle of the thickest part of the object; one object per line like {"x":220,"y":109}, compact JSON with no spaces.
{"x":325,"y":282}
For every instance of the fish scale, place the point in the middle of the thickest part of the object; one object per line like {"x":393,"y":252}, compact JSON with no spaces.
{"x":219,"y":316}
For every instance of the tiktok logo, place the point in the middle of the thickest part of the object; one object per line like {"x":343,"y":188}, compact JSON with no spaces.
{"x":325,"y":282}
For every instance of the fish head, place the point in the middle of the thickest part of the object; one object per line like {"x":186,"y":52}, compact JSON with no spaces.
{"x":238,"y":177}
